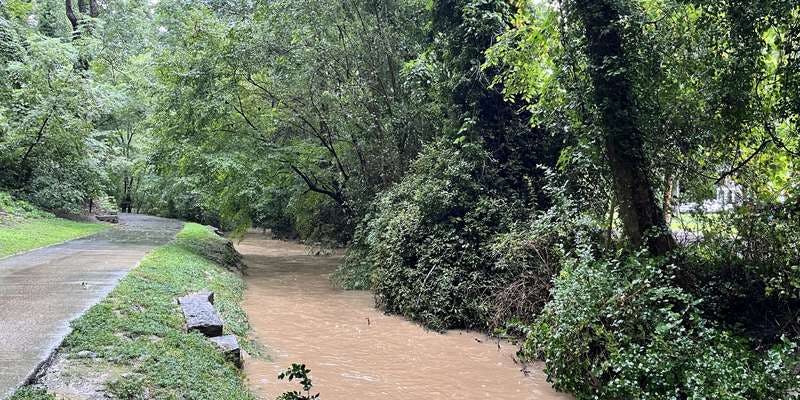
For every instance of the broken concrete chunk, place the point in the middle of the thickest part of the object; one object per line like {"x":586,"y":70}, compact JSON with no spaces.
{"x":200,"y":314}
{"x":230,"y":348}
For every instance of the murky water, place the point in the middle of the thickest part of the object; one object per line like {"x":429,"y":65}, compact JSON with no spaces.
{"x":357,"y":352}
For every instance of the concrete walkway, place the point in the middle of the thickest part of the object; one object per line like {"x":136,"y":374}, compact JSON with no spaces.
{"x":43,"y":290}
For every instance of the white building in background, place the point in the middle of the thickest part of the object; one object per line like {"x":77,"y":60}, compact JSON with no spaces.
{"x":728,"y":195}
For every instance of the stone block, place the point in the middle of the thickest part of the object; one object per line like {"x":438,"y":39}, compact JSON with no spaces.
{"x":200,"y":315}
{"x":230,"y":348}
{"x":204,"y":295}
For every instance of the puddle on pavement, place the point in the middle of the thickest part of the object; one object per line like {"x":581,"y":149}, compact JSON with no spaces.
{"x":356,"y":352}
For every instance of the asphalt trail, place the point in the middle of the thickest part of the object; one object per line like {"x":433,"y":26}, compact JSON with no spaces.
{"x":43,"y":290}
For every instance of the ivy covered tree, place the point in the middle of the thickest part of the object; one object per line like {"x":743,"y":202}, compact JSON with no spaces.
{"x":665,"y":92}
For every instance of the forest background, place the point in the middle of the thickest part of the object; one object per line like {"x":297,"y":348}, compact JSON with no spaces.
{"x":515,"y":167}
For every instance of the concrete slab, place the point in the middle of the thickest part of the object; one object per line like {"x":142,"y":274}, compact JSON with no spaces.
{"x":43,"y":290}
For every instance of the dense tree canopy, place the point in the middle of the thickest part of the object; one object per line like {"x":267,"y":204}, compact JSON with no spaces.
{"x":535,"y":168}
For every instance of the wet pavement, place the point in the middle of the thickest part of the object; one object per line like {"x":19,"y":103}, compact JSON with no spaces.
{"x":43,"y":290}
{"x":355,"y":351}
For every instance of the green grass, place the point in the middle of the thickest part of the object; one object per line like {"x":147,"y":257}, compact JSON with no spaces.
{"x":29,"y":393}
{"x":16,"y":237}
{"x":694,"y":222}
{"x":139,"y":326}
{"x":24,"y":227}
{"x":194,"y":233}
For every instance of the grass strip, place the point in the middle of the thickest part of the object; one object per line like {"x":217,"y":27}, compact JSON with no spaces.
{"x":139,"y":327}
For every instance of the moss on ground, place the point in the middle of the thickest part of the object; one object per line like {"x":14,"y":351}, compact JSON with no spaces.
{"x":139,"y":326}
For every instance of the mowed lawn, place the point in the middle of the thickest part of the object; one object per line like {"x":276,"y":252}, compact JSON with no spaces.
{"x":29,"y":234}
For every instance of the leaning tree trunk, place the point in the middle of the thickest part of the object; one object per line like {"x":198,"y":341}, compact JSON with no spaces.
{"x":642,"y":217}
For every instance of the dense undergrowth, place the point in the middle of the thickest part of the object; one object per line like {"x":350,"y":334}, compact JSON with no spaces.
{"x":139,"y":327}
{"x":448,"y":247}
{"x":32,"y":393}
{"x":718,"y":318}
{"x":24,"y":227}
{"x":624,"y":327}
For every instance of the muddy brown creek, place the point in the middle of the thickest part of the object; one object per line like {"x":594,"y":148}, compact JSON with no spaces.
{"x":355,"y":351}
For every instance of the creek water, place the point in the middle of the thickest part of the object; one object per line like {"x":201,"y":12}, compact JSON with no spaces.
{"x":355,"y":351}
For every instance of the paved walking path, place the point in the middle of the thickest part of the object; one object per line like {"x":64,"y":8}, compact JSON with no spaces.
{"x":43,"y":290}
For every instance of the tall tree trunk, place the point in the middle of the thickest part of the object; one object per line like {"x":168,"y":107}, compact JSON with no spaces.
{"x":94,"y":11}
{"x":642,"y":217}
{"x":76,"y":20}
{"x":73,"y":19}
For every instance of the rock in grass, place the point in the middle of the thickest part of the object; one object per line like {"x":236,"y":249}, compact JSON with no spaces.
{"x":200,"y":315}
{"x":217,"y":231}
{"x":230,"y":348}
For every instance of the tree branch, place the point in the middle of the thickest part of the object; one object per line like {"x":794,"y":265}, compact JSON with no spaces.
{"x":314,"y":186}
{"x":770,"y":129}
{"x":744,"y":163}
{"x":39,"y":136}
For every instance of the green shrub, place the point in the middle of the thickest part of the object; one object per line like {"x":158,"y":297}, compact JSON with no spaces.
{"x":20,"y":208}
{"x":32,"y":393}
{"x":428,"y":239}
{"x":528,"y":257}
{"x":623,"y":329}
{"x":767,"y":241}
{"x":301,"y":373}
{"x":452,"y":246}
{"x":748,"y":272}
{"x":357,"y":270}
